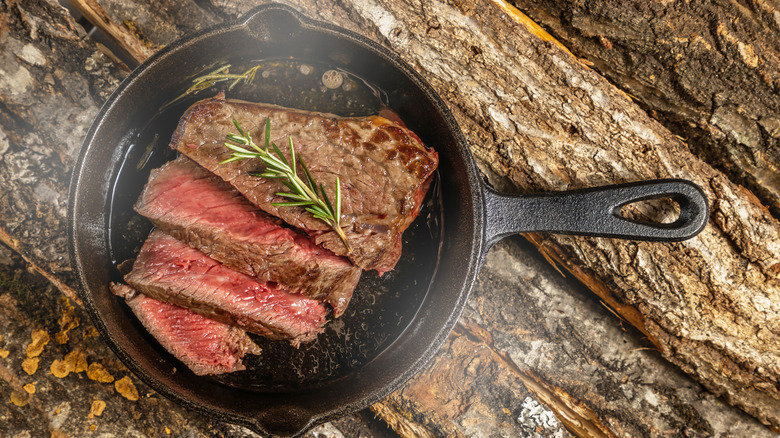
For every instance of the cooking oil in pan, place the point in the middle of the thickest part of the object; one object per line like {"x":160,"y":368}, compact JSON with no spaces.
{"x":381,"y":306}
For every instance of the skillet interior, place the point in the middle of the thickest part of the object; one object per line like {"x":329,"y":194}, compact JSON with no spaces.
{"x":395,"y":323}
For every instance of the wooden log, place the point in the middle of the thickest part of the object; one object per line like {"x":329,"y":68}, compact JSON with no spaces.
{"x":52,"y":84}
{"x":141,"y":27}
{"x":72,"y":384}
{"x":447,"y":27}
{"x":709,"y":71}
{"x":530,"y":334}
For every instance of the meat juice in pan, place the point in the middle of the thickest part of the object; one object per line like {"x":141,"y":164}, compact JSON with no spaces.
{"x":381,"y":307}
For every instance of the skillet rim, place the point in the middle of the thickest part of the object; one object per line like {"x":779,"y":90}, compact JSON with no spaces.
{"x":460,"y":148}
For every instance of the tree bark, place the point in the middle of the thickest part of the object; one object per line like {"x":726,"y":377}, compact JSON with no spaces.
{"x":708,"y":70}
{"x":52,"y":84}
{"x":537,"y":119}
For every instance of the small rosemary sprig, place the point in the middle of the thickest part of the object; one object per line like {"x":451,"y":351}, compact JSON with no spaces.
{"x":211,"y":78}
{"x":302,"y":193}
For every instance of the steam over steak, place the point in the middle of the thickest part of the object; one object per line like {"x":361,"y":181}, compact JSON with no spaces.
{"x":197,"y":207}
{"x":384,"y":168}
{"x":168,"y":270}
{"x":205,"y":346}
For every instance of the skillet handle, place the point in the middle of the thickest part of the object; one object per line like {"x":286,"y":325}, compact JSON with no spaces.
{"x":596,"y":212}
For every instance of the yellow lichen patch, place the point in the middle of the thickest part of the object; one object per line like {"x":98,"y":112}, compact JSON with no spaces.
{"x":39,"y":339}
{"x":60,"y":368}
{"x":167,"y":431}
{"x":97,"y":409}
{"x":30,"y":365}
{"x":30,"y":388}
{"x":20,"y":398}
{"x":92,"y":427}
{"x":91,"y":332}
{"x":68,"y":321}
{"x":125,"y":387}
{"x":76,"y":360}
{"x":96,"y":371}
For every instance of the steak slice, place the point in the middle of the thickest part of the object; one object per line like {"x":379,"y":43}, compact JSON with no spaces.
{"x":384,"y":168}
{"x":168,"y":270}
{"x":205,"y":346}
{"x":195,"y":206}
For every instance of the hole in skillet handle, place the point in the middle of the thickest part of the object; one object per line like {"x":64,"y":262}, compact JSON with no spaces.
{"x":597,"y":212}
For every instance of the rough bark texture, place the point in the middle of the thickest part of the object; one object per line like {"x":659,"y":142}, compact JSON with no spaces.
{"x":73,"y":390}
{"x":537,"y":119}
{"x":530,"y":334}
{"x":51,"y":86}
{"x":709,"y":70}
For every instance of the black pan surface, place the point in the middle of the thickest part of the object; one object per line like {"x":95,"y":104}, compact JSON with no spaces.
{"x":382,"y":306}
{"x":394,"y":323}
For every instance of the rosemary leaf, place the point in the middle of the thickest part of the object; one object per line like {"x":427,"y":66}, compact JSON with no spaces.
{"x":292,"y":204}
{"x":281,"y":156}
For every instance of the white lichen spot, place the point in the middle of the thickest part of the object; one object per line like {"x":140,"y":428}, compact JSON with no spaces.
{"x":748,"y":54}
{"x":32,"y":55}
{"x":58,"y":415}
{"x":46,"y":194}
{"x":326,"y":430}
{"x":500,"y":117}
{"x":651,"y":398}
{"x":535,"y":415}
{"x":381,"y":17}
{"x":4,"y":145}
{"x":306,"y":69}
{"x":15,"y":83}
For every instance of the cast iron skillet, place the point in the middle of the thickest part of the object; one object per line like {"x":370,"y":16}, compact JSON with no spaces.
{"x":395,"y":323}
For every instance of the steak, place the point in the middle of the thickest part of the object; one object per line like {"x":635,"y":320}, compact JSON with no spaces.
{"x":205,"y":346}
{"x":384,"y":169}
{"x":169,"y":270}
{"x":195,"y":206}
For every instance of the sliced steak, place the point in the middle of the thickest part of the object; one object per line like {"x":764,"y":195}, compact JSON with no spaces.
{"x":195,"y":206}
{"x":205,"y":346}
{"x":384,"y":168}
{"x":169,"y":270}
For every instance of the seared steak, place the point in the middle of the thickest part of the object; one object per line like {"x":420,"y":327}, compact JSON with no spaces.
{"x":195,"y":206}
{"x":205,"y":346}
{"x":384,"y":168}
{"x":168,"y":270}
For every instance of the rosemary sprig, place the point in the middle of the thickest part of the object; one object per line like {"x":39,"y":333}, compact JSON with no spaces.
{"x":211,"y":78}
{"x":303,"y":193}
